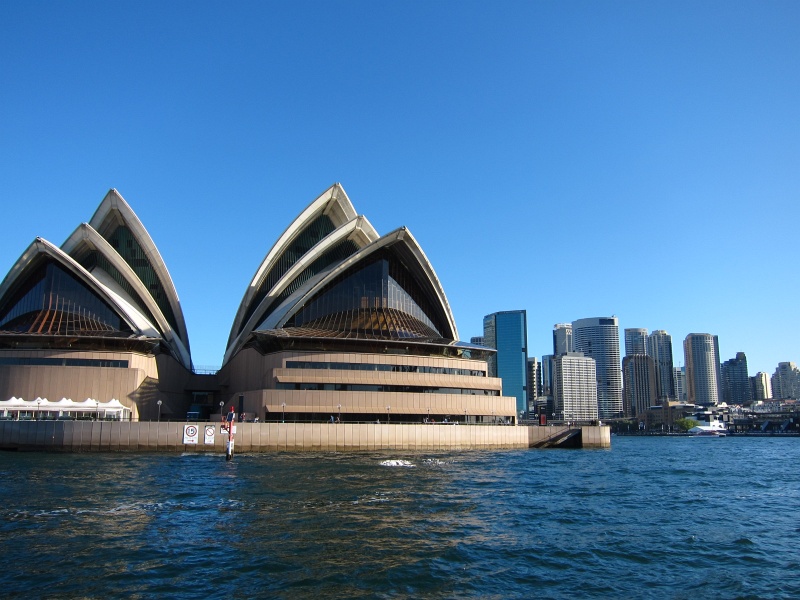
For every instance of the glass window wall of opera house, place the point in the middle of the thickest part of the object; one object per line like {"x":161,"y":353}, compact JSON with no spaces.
{"x":337,"y":324}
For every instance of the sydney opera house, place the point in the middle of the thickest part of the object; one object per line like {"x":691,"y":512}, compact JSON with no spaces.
{"x":338,"y":322}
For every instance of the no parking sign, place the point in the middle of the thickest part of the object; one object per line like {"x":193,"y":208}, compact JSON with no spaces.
{"x":209,"y":434}
{"x":190,"y":433}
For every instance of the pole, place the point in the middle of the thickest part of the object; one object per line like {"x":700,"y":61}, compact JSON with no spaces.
{"x":231,"y":419}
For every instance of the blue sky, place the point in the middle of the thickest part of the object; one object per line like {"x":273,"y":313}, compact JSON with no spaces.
{"x":574,"y":159}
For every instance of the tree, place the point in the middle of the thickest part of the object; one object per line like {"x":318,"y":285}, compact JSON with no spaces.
{"x":685,"y":424}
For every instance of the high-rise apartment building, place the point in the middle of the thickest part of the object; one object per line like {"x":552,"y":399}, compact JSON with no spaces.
{"x":477,"y":339}
{"x":659,"y":347}
{"x":639,"y":384}
{"x":786,"y":382}
{"x":635,"y":341}
{"x":735,"y":380}
{"x":703,"y":380}
{"x":562,"y":338}
{"x":534,"y":382}
{"x":598,"y":338}
{"x":507,"y":332}
{"x":574,"y":387}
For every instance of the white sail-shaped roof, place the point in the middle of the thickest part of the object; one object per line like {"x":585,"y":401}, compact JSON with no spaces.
{"x":85,"y":240}
{"x":289,"y":279}
{"x":399,"y":239}
{"x":325,"y":255}
{"x":41,"y":250}
{"x":328,"y":212}
{"x":116,"y":222}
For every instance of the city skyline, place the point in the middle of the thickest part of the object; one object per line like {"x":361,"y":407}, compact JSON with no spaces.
{"x":530,"y":129}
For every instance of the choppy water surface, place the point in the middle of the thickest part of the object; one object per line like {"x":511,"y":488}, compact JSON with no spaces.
{"x":652,"y":518}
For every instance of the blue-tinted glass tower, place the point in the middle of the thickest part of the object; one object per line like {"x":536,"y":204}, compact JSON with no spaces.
{"x":507,"y":332}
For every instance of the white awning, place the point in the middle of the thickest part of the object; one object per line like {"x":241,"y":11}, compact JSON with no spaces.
{"x":89,"y":405}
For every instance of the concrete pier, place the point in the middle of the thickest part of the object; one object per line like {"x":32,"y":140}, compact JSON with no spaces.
{"x":115,"y":436}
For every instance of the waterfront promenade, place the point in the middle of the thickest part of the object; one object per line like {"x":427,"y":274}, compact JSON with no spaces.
{"x":121,"y":436}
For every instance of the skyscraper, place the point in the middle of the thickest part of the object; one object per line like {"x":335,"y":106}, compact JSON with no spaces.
{"x":635,"y":341}
{"x":786,"y":381}
{"x":639,"y":376}
{"x":735,"y":380}
{"x":575,"y":387}
{"x":534,"y":382}
{"x":761,"y":386}
{"x":507,"y":332}
{"x":659,"y":347}
{"x":562,"y":338}
{"x":599,"y":338}
{"x":679,"y":377}
{"x":701,"y":353}
{"x":547,"y":383}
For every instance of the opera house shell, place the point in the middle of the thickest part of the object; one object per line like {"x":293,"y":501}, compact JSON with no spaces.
{"x":96,"y":319}
{"x":338,"y":323}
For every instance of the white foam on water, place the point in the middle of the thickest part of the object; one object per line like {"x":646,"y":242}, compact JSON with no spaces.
{"x":396,"y":462}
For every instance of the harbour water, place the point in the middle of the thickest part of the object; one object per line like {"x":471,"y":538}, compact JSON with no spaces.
{"x":651,"y":517}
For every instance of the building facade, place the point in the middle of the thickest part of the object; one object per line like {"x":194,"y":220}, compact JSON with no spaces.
{"x":635,"y":341}
{"x":659,"y":347}
{"x":575,"y":387}
{"x":534,"y":383}
{"x":562,"y":338}
{"x":761,"y":386}
{"x":786,"y":382}
{"x":546,"y":393}
{"x":679,"y":377}
{"x":736,"y":381}
{"x":507,"y":333}
{"x":598,"y":338}
{"x":703,"y":385}
{"x":639,"y":384}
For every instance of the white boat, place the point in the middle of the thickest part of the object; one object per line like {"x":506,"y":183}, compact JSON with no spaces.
{"x":711,"y":429}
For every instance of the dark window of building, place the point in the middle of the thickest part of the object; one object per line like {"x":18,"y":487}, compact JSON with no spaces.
{"x":52,"y":301}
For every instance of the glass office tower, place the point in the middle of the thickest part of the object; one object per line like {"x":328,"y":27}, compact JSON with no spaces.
{"x":507,"y":332}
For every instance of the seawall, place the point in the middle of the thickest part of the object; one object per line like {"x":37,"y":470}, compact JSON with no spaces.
{"x":115,"y":436}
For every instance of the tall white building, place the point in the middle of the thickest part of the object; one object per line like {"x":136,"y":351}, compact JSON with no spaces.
{"x":598,"y":338}
{"x":635,"y":341}
{"x":659,"y":347}
{"x":703,"y":381}
{"x":562,"y":338}
{"x":575,"y":387}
